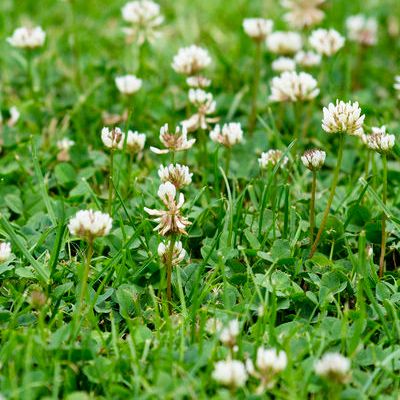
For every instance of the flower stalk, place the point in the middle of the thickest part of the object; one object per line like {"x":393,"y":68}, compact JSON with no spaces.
{"x":256,"y":82}
{"x":384,"y":200}
{"x":312,"y":205}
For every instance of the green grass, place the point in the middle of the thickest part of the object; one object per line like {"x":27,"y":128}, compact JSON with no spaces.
{"x":248,"y":243}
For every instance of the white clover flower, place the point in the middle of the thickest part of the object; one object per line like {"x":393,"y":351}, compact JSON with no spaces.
{"x":206,"y":105}
{"x":134,"y":142}
{"x":144,"y":17}
{"x":326,"y":42}
{"x":112,"y":138}
{"x":13,"y":117}
{"x":307,"y":59}
{"x":173,"y":142}
{"x":333,"y":366}
{"x":283,"y":64}
{"x":362,"y":29}
{"x":271,"y":158}
{"x":213,"y":326}
{"x":303,"y":13}
{"x":379,"y":140}
{"x":128,"y":84}
{"x":191,"y":60}
{"x":89,"y":224}
{"x":178,"y":175}
{"x":198,"y":82}
{"x":229,"y":333}
{"x":396,"y":84}
{"x":170,"y":220}
{"x":5,"y":251}
{"x":178,"y":254}
{"x":229,"y":135}
{"x":27,"y":38}
{"x":343,"y":118}
{"x":284,"y":43}
{"x":258,"y":28}
{"x":64,"y":145}
{"x":231,"y":373}
{"x":313,"y":159}
{"x":293,"y":86}
{"x":270,"y":361}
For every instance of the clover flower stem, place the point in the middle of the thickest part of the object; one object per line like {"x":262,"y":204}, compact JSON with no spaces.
{"x":228,"y":156}
{"x":256,"y":81}
{"x":170,"y":256}
{"x":369,"y":154}
{"x":110,"y":182}
{"x":384,"y":199}
{"x":129,"y":170}
{"x":331,"y":195}
{"x":29,"y":62}
{"x":312,"y":205}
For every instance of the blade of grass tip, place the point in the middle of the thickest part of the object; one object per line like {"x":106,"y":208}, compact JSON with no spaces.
{"x":43,"y":274}
{"x":236,"y":102}
{"x":42,"y":186}
{"x":92,"y":193}
{"x":230,"y":207}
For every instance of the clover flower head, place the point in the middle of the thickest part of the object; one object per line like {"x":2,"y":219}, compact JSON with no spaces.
{"x":229,"y":135}
{"x":307,"y":59}
{"x":89,"y":224}
{"x":334,"y":367}
{"x":191,"y":60}
{"x":5,"y":251}
{"x":231,"y":373}
{"x":271,"y":158}
{"x":134,"y":142}
{"x":362,"y":29}
{"x":313,"y":159}
{"x":128,"y":84}
{"x":178,"y":253}
{"x":293,"y":86}
{"x":177,"y":141}
{"x":258,"y":28}
{"x":229,"y":333}
{"x":179,"y":175}
{"x":112,"y":137}
{"x":27,"y":38}
{"x":326,"y":41}
{"x":379,"y":140}
{"x":303,"y":13}
{"x":343,"y":118}
{"x":284,"y":43}
{"x":198,"y":82}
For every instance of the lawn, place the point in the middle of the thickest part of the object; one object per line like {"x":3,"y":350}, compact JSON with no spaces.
{"x":198,"y":204}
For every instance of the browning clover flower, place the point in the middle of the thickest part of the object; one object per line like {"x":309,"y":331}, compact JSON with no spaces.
{"x":178,"y":254}
{"x":271,"y":158}
{"x":379,"y":140}
{"x":303,"y":13}
{"x":173,"y":141}
{"x":112,"y":138}
{"x":134,"y":142}
{"x":206,"y":105}
{"x":128,"y":84}
{"x":191,"y":60}
{"x":362,"y":29}
{"x":169,"y":221}
{"x":313,"y":159}
{"x":64,"y":145}
{"x":145,"y":18}
{"x":343,"y":118}
{"x":334,"y":367}
{"x":293,"y":86}
{"x":258,"y":28}
{"x":284,"y":43}
{"x":229,"y":135}
{"x":178,"y":175}
{"x":326,"y":42}
{"x":89,"y":224}
{"x":27,"y":38}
